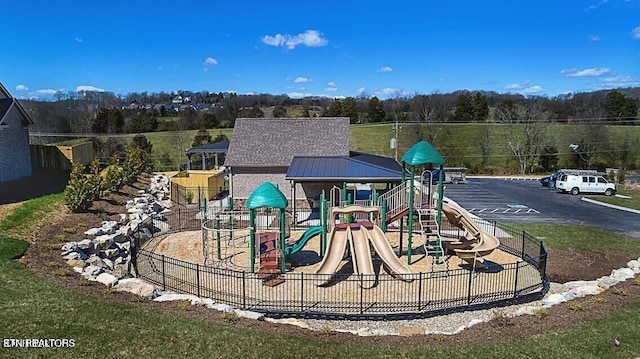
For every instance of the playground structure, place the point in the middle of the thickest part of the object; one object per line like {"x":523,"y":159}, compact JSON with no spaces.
{"x":353,"y":226}
{"x":350,"y":243}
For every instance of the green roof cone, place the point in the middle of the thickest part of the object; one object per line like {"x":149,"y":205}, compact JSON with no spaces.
{"x":422,"y":153}
{"x":267,"y":195}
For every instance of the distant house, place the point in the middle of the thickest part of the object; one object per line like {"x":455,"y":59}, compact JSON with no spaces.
{"x":263,"y":149}
{"x":15,"y":157}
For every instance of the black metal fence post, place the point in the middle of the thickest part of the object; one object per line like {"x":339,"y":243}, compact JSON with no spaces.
{"x":198,"y":278}
{"x":164,"y":283}
{"x":469,"y":284}
{"x":420,"y":291}
{"x":244,"y":290}
{"x":302,"y":291}
{"x":515,"y":288}
{"x":361,"y":295}
{"x":523,"y":239}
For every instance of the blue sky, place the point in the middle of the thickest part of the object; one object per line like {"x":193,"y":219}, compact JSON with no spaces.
{"x":334,"y":48}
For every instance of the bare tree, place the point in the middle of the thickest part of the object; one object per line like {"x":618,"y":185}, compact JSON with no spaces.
{"x":430,"y":110}
{"x":524,"y":132}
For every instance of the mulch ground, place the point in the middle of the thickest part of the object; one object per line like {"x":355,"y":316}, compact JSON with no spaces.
{"x":562,"y":266}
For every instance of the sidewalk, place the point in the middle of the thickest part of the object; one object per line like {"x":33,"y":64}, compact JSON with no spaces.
{"x":593,"y":201}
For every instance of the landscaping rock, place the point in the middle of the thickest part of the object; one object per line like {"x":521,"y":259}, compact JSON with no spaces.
{"x":103,"y":242}
{"x":220,"y":307}
{"x":167,"y":297}
{"x":86,"y":245}
{"x":622,"y":274}
{"x":289,"y":321}
{"x":410,"y":330}
{"x":77,"y":263}
{"x":93,"y":271}
{"x":94,"y":232}
{"x":75,"y":256}
{"x":107,"y":279}
{"x":111,"y":253}
{"x":108,"y":263}
{"x":248,"y":314}
{"x":137,"y":287}
{"x":69,"y":247}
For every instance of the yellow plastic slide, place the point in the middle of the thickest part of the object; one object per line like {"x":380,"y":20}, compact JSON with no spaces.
{"x":361,"y":256}
{"x":385,"y":251}
{"x":335,"y":252}
{"x":484,"y":244}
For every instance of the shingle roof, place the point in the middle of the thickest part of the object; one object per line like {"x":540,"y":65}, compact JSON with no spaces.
{"x":6,"y":102}
{"x":214,"y":147}
{"x":361,"y":168}
{"x":274,"y":142}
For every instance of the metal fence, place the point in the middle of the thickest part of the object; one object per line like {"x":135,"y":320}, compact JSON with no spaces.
{"x":304,"y":295}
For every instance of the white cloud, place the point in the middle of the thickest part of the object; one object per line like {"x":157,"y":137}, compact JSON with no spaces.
{"x":22,"y":87}
{"x":385,"y":69}
{"x":87,"y":88}
{"x":636,"y":33}
{"x":45,"y":92}
{"x":596,"y":5}
{"x":618,"y":81}
{"x":591,"y":72}
{"x":593,"y":38}
{"x":311,"y":38}
{"x":387,"y":91}
{"x":210,"y":61}
{"x":78,"y":39}
{"x":331,"y":86}
{"x":362,"y":90}
{"x":301,"y":79}
{"x":524,"y":88}
{"x":298,"y":94}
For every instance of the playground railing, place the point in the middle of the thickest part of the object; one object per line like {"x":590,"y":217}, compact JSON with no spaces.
{"x":427,"y":294}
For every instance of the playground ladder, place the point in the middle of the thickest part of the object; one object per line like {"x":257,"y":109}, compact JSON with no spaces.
{"x":432,"y":240}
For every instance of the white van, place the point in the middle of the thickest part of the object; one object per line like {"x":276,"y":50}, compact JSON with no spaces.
{"x":585,"y":183}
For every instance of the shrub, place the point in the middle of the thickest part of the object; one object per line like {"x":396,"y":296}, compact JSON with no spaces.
{"x":78,"y":194}
{"x":95,"y":182}
{"x":113,"y":179}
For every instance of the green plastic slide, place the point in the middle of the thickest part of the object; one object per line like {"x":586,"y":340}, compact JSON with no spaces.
{"x":306,"y":236}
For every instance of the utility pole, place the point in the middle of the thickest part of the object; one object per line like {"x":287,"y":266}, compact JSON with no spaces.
{"x":395,"y":133}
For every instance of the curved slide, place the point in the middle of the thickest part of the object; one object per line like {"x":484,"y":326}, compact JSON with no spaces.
{"x":484,"y":242}
{"x":385,"y":251}
{"x":361,"y":256}
{"x":335,"y":252}
{"x":306,"y":236}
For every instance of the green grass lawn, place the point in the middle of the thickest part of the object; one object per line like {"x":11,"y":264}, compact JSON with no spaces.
{"x":581,"y":238}
{"x":633,"y":202}
{"x":458,"y":143}
{"x":34,"y":308}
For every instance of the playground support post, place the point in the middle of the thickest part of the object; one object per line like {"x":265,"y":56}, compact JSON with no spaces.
{"x":283,"y":267}
{"x":410,"y":214}
{"x":252,"y":239}
{"x":439,"y":212}
{"x":323,"y":223}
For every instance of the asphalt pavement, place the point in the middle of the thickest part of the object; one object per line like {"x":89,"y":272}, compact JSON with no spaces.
{"x":511,"y":200}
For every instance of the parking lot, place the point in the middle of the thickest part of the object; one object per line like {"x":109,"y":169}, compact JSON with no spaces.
{"x":526,"y":201}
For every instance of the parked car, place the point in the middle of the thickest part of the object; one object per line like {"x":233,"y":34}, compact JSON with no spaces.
{"x":585,"y":183}
{"x":453,"y":175}
{"x":544,"y":181}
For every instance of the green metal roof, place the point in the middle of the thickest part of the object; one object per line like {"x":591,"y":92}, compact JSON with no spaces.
{"x":267,"y":195}
{"x":422,"y":153}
